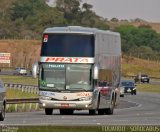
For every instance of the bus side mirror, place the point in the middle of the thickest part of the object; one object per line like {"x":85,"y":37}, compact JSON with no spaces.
{"x":95,"y":72}
{"x":35,"y":70}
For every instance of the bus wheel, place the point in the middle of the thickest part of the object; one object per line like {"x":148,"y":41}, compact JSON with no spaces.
{"x":92,"y":112}
{"x":101,"y":111}
{"x":2,"y":114}
{"x":109,"y":111}
{"x":48,"y":111}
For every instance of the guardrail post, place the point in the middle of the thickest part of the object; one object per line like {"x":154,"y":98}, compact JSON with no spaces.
{"x":7,"y":107}
{"x":30,"y":89}
{"x":19,"y":87}
{"x":16,"y":107}
{"x":37,"y":106}
{"x":35,"y":90}
{"x":22,"y":89}
{"x":23,"y":106}
{"x":15,"y":86}
{"x":30,"y":106}
{"x":10,"y":86}
{"x":27,"y":89}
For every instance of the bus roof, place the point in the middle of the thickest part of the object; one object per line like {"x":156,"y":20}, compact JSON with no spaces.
{"x":78,"y":30}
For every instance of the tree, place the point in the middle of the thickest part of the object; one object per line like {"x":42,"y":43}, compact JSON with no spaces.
{"x":24,"y":8}
{"x":69,"y":7}
{"x":114,"y":19}
{"x":142,"y":41}
{"x":87,"y":7}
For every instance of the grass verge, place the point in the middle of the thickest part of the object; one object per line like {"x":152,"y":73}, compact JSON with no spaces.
{"x":15,"y":93}
{"x":107,"y":128}
{"x":148,"y":88}
{"x":27,"y":107}
{"x":19,"y":79}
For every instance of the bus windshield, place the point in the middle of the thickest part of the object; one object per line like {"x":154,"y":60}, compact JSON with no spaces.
{"x":67,"y":45}
{"x":61,"y":77}
{"x":52,"y":76}
{"x":78,"y":76}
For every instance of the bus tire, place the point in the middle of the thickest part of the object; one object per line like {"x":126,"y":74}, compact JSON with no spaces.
{"x":109,"y":111}
{"x":92,"y":112}
{"x":101,"y":111}
{"x":2,"y":113}
{"x":48,"y":111}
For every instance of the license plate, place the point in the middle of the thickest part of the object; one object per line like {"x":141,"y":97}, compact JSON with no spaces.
{"x":129,"y":90}
{"x":64,"y":105}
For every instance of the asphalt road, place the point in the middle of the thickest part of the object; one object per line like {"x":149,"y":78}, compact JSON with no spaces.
{"x":140,"y":109}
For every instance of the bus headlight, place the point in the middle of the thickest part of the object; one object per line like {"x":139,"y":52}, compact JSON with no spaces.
{"x":45,"y":98}
{"x":85,"y":98}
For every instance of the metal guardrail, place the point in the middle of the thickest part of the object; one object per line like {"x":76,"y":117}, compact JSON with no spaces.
{"x":26,"y":104}
{"x":20,"y":101}
{"x":23,"y":87}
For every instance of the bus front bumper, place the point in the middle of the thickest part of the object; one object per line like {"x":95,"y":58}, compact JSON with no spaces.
{"x":65,"y":104}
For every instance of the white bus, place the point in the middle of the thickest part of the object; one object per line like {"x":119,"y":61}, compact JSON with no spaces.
{"x":79,"y":69}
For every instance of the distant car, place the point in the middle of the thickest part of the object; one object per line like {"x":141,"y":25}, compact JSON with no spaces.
{"x":20,"y":71}
{"x":129,"y":86}
{"x":121,"y":91}
{"x":2,"y":101}
{"x":142,"y":78}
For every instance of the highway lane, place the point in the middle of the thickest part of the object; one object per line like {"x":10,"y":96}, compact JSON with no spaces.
{"x":11,"y":72}
{"x":142,"y":109}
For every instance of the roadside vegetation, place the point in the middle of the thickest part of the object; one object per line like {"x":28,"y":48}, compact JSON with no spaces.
{"x":98,"y":128}
{"x":19,"y":80}
{"x":151,"y":88}
{"x":60,"y":129}
{"x":17,"y":94}
{"x":132,"y":66}
{"x":14,"y":93}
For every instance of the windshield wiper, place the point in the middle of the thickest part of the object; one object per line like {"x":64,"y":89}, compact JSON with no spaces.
{"x":56,"y":88}
{"x":50,"y":88}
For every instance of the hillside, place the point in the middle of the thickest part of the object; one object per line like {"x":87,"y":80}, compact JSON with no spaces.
{"x":25,"y":52}
{"x":132,"y":66}
{"x":154,"y":26}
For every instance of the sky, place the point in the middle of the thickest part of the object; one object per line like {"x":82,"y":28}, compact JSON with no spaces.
{"x":148,"y":10}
